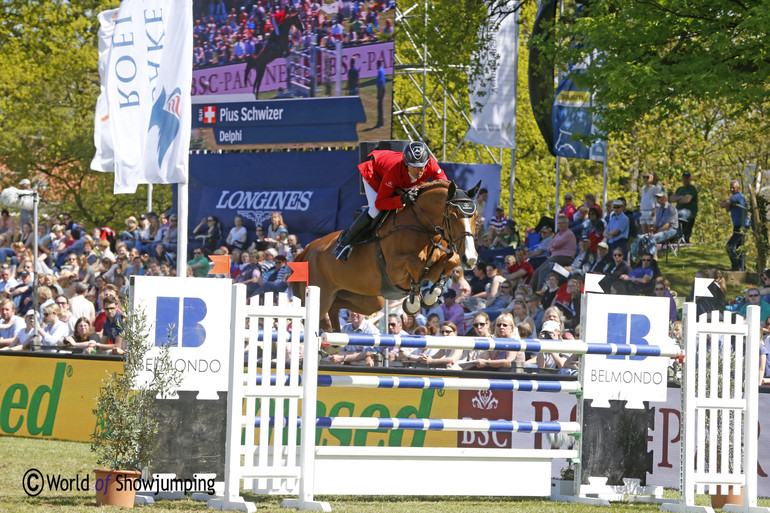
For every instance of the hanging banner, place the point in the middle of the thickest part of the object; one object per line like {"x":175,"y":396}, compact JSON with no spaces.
{"x":572,"y":117}
{"x":147,"y":92}
{"x":494,"y":103}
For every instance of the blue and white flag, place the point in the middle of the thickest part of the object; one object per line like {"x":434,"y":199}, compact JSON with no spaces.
{"x":571,"y":117}
{"x":144,"y":108}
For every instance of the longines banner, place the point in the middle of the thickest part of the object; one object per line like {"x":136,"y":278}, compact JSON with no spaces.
{"x":317,"y":192}
{"x":313,"y":209}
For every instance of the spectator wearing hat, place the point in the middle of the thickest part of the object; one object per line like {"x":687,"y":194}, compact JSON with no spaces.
{"x":170,"y":234}
{"x":452,"y":311}
{"x":616,"y":233}
{"x":665,"y":227}
{"x":540,"y":254}
{"x":22,"y":293}
{"x":584,"y":260}
{"x":497,"y":223}
{"x":603,"y":262}
{"x":509,"y":238}
{"x":686,"y":198}
{"x":294,"y":251}
{"x":131,"y":234}
{"x":568,"y":209}
{"x":551,"y":330}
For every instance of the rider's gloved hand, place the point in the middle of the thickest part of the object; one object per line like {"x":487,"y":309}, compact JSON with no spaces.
{"x":409,"y":197}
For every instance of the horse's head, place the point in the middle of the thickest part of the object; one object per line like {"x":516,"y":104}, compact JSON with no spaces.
{"x":461,"y":213}
{"x":457,"y":211}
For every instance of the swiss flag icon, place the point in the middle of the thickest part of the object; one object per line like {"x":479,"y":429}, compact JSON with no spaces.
{"x":210,"y":114}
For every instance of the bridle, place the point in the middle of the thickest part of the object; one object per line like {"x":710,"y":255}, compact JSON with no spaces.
{"x":438,"y":234}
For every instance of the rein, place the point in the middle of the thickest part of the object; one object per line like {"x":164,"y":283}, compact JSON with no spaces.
{"x":437,"y":235}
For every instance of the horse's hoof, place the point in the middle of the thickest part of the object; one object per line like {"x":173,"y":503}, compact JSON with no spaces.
{"x":432,"y":297}
{"x":412,"y":305}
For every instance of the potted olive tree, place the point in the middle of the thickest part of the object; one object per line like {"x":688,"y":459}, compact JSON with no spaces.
{"x":124,"y":439}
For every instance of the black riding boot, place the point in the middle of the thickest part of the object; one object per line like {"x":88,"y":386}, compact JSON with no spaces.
{"x":349,"y":236}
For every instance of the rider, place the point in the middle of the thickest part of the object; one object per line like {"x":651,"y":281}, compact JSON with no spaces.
{"x":384,"y":173}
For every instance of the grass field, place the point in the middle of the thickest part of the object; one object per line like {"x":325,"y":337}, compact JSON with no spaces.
{"x":69,"y":459}
{"x":680,"y":270}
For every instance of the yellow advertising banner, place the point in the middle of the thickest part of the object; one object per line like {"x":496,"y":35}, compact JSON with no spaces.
{"x":51,"y":397}
{"x":386,"y":402}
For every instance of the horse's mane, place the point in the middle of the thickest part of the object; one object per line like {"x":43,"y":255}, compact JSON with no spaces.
{"x":426,"y":186}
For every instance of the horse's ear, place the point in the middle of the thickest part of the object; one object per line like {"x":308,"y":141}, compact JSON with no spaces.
{"x":475,"y":190}
{"x":452,"y":190}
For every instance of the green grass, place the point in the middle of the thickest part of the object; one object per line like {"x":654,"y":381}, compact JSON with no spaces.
{"x":680,"y":270}
{"x":17,"y":455}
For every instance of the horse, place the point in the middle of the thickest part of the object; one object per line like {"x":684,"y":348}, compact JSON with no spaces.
{"x":418,"y":242}
{"x":277,"y":46}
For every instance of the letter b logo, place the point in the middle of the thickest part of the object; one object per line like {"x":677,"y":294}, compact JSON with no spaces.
{"x":625,"y":328}
{"x":168,"y":314}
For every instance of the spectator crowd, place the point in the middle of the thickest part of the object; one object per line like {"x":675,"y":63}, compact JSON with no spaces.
{"x":524,"y":285}
{"x":228,"y":31}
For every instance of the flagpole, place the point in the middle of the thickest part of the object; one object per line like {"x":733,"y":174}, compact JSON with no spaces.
{"x":604,"y":182}
{"x":515,"y":106}
{"x":181,"y":234}
{"x":558,"y":185}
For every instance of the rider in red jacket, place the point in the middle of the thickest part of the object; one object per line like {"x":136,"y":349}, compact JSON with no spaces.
{"x":389,"y":181}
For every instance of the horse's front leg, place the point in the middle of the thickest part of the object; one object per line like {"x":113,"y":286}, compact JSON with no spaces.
{"x":435,"y":290}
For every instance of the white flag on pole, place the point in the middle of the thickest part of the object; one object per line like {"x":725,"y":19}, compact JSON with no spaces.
{"x":104,"y":158}
{"x":147,"y":90}
{"x":493,"y":125}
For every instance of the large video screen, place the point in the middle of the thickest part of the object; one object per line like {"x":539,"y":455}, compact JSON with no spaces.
{"x":295,"y":73}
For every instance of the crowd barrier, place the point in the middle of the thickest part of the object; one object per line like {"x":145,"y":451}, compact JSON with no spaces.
{"x":282,"y":458}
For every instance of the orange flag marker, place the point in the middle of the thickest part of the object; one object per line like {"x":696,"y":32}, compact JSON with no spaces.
{"x":221,"y":264}
{"x":299,"y":271}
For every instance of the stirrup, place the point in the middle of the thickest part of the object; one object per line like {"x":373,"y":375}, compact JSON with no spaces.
{"x":342,"y":252}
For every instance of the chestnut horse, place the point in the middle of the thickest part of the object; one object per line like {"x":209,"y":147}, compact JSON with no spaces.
{"x":419,"y":242}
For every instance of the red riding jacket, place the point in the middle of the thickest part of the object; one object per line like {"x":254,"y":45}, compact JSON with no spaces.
{"x":386,"y":171}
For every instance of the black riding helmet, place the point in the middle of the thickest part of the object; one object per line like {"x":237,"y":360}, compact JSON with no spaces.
{"x":416,"y":154}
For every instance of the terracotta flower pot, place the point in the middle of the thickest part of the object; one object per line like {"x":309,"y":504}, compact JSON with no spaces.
{"x":719,"y":500}
{"x":111,"y":489}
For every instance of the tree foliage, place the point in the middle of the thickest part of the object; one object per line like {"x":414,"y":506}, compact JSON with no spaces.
{"x":665,"y":107}
{"x":47,"y":99}
{"x":657,"y":56}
